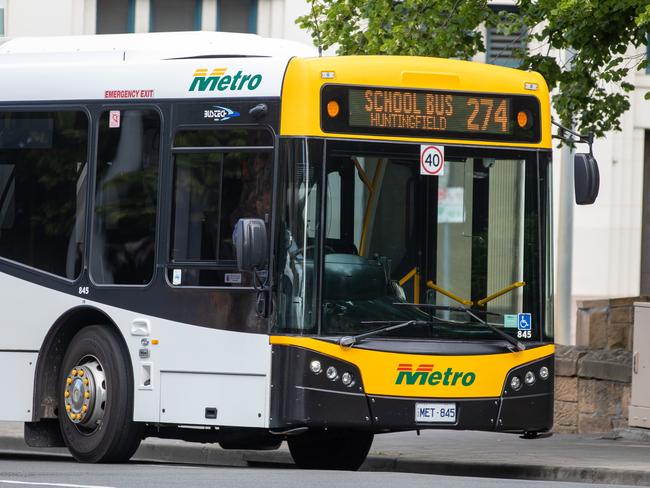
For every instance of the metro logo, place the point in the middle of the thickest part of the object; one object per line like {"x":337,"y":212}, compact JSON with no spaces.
{"x":219,"y":80}
{"x":424,"y":374}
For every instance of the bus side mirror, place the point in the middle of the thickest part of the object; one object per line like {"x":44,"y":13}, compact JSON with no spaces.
{"x":586,"y":178}
{"x":250,"y":240}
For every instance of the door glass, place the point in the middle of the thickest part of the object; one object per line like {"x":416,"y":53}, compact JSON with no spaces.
{"x":298,"y":229}
{"x":213,"y":189}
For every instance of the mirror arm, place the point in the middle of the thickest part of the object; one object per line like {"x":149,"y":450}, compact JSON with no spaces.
{"x":263,"y":302}
{"x":584,"y":138}
{"x":261,"y":279}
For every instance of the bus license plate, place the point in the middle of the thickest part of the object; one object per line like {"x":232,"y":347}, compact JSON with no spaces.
{"x":435,"y":412}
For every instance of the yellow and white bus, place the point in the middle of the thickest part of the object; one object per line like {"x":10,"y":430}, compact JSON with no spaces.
{"x":224,"y":238}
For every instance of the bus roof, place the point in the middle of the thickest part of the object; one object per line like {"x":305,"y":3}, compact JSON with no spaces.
{"x":148,"y":47}
{"x":177,"y":65}
{"x":218,"y":65}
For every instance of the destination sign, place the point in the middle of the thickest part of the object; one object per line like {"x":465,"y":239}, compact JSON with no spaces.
{"x":429,"y":111}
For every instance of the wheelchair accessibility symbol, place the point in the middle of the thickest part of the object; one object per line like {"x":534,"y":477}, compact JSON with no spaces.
{"x":524,"y":321}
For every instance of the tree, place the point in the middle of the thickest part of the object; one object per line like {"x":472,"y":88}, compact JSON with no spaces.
{"x":592,"y":90}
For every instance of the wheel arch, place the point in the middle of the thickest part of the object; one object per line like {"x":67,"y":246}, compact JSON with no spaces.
{"x":53,"y":349}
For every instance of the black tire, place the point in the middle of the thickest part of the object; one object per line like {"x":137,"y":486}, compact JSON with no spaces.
{"x":327,"y":449}
{"x":116,"y":437}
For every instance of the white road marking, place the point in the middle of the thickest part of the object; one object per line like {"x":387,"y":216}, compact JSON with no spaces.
{"x":45,"y":483}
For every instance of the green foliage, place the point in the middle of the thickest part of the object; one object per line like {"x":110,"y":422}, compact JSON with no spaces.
{"x":397,"y":27}
{"x":591,"y":88}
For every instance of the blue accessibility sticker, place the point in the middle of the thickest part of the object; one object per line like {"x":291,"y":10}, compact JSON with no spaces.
{"x":524,"y":321}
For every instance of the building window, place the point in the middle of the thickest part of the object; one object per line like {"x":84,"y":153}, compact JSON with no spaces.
{"x":500,"y":48}
{"x":126,"y":195}
{"x":172,"y":15}
{"x":43,"y":172}
{"x":237,"y":16}
{"x":2,"y":22}
{"x":115,"y":16}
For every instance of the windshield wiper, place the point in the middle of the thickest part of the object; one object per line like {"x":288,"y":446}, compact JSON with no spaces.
{"x":349,"y":341}
{"x":519,"y":345}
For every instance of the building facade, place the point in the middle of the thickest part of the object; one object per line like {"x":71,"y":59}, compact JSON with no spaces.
{"x":272,"y":18}
{"x":611,"y":239}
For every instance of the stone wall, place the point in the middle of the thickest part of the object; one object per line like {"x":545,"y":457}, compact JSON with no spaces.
{"x":593,"y":378}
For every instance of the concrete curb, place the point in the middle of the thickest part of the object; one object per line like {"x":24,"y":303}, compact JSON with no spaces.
{"x":211,"y":455}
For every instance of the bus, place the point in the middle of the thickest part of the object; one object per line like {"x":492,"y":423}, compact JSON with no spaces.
{"x":223,"y":238}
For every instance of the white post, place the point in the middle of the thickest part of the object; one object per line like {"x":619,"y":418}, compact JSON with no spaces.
{"x":564,"y":250}
{"x":564,"y":253}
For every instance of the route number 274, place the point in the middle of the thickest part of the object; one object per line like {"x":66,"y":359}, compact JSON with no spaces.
{"x":495,"y":112}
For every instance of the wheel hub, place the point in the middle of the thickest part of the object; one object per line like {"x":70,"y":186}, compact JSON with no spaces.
{"x":85,"y":393}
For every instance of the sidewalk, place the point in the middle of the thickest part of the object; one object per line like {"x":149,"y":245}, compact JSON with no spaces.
{"x":560,"y":457}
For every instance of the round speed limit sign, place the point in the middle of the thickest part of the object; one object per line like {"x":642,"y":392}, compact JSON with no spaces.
{"x":432,"y":160}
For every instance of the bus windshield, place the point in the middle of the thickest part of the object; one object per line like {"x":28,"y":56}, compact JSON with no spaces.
{"x":390,"y":243}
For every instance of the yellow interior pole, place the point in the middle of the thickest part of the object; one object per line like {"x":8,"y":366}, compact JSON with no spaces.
{"x":509,"y":288}
{"x":416,"y":283}
{"x":449,"y":294}
{"x":362,"y":174}
{"x":367,"y":213}
{"x":408,"y":276}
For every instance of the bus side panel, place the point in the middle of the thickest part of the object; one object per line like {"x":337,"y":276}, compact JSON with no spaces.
{"x":28,"y":312}
{"x":214,"y":399}
{"x":180,"y":348}
{"x":18,"y":369}
{"x":192,"y":368}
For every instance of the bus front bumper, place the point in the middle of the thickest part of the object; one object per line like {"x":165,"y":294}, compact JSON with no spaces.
{"x":521,"y":414}
{"x":300,"y":398}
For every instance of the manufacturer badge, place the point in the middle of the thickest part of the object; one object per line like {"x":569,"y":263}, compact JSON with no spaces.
{"x":219,"y":114}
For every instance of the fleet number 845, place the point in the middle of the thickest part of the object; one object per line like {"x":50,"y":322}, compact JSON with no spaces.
{"x":84,"y":290}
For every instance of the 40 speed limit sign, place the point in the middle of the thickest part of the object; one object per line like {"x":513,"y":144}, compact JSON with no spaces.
{"x":432,"y":160}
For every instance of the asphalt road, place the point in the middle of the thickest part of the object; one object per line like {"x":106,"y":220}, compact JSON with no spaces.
{"x":33,"y":470}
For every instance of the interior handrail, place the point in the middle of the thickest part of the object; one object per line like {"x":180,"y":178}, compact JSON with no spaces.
{"x":507,"y":289}
{"x":447,"y":293}
{"x":416,"y":283}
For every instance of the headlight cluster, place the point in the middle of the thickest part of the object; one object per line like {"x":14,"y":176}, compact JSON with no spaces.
{"x":529,"y":378}
{"x":332,"y":373}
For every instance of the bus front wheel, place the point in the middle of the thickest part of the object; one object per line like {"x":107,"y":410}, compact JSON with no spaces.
{"x":96,"y":398}
{"x":330,"y":449}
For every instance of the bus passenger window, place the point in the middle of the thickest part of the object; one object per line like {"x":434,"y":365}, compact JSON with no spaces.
{"x":126,"y":195}
{"x":212,"y":191}
{"x":43,"y":189}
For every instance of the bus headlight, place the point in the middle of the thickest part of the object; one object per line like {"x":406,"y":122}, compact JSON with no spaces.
{"x":529,"y":379}
{"x":543,"y":372}
{"x":346,"y":379}
{"x":515,"y":383}
{"x":315,"y":367}
{"x":332,"y":373}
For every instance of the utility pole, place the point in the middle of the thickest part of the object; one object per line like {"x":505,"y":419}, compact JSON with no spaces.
{"x":564,"y":250}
